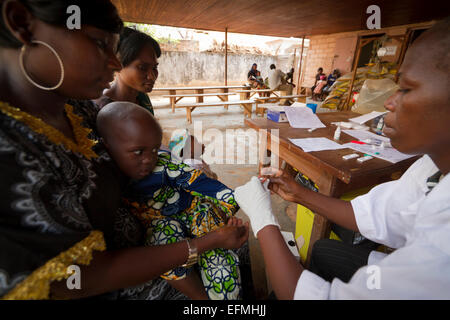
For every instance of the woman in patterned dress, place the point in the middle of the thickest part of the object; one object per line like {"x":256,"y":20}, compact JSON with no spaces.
{"x":60,"y":189}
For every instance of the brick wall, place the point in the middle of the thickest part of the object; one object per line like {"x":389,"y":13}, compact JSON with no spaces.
{"x":321,"y":49}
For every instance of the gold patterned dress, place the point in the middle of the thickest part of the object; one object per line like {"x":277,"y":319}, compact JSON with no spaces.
{"x":53,"y":209}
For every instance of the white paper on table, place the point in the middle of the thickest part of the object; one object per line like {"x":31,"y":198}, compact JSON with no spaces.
{"x":389,"y":154}
{"x":367,"y":117}
{"x":351,"y":125}
{"x":298,"y":104}
{"x":316,"y":144}
{"x":363,"y":135}
{"x":302,"y":118}
{"x":273,"y":107}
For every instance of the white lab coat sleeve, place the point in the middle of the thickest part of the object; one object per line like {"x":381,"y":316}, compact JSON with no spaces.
{"x":418,"y":271}
{"x":311,"y":287}
{"x":384,"y":214}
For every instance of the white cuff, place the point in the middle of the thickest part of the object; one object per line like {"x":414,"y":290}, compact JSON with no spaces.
{"x":311,"y":287}
{"x":375,"y":257}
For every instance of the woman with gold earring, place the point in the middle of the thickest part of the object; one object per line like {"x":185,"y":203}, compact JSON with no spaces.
{"x":60,"y":190}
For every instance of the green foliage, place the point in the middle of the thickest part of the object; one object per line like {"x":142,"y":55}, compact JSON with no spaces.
{"x":150,"y":30}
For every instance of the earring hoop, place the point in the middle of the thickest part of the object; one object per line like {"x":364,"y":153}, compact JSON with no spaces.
{"x":22,"y":67}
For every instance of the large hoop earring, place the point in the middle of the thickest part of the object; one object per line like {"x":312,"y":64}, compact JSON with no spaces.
{"x":22,"y":68}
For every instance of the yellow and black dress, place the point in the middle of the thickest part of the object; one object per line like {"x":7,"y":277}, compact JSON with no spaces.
{"x":59,"y":199}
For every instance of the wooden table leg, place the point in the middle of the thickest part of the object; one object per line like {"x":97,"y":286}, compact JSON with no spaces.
{"x":247,"y":109}
{"x":172,"y":99}
{"x":199,"y":91}
{"x":189,"y":114}
{"x":225,"y":97}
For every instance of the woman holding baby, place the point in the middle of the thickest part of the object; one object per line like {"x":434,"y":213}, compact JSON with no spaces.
{"x":60,"y":203}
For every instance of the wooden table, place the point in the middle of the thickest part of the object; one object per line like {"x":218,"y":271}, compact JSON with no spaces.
{"x":246,"y":104}
{"x":247,"y":94}
{"x":333,"y":175}
{"x":199,"y":91}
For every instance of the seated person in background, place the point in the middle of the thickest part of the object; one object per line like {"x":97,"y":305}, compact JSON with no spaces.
{"x":277,"y":81}
{"x":317,"y":93}
{"x":318,"y":75}
{"x":251,"y":76}
{"x":172,"y":200}
{"x":290,"y":77}
{"x":185,"y":148}
{"x":331,"y":80}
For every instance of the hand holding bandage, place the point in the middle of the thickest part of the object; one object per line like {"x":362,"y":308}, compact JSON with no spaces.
{"x":254,"y":200}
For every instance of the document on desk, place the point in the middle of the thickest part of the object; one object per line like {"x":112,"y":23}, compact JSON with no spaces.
{"x":389,"y":154}
{"x":364,"y":134}
{"x":316,"y":144}
{"x":366,"y":117}
{"x":302,"y":117}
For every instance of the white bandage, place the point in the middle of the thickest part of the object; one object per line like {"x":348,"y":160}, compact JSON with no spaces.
{"x":254,"y":200}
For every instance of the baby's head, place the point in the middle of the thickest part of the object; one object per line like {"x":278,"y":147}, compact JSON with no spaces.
{"x":132,"y":136}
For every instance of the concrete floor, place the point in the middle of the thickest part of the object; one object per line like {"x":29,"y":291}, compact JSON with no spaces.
{"x":234,"y":170}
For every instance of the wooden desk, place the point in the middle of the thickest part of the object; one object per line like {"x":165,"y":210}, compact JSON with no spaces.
{"x":333,"y":175}
{"x":199,"y":91}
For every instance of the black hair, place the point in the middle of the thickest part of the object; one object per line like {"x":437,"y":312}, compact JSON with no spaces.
{"x":272,"y":66}
{"x":131,"y":43}
{"x":320,"y":68}
{"x":101,"y":14}
{"x":439,"y":33}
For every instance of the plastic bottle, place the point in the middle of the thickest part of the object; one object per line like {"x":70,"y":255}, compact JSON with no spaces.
{"x":380,"y":124}
{"x":337,"y":133}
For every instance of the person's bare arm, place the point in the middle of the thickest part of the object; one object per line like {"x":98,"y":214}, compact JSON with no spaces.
{"x":336,"y":210}
{"x":113,"y":270}
{"x":282,"y":267}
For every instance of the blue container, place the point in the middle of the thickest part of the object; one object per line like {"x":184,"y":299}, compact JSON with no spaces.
{"x":312,"y":106}
{"x":277,"y":116}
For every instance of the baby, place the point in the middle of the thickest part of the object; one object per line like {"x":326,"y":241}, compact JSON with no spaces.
{"x":171,"y":199}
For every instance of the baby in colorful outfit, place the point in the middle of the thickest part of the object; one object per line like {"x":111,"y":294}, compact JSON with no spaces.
{"x":171,"y":199}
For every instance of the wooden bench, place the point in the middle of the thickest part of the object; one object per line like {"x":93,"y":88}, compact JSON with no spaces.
{"x":174,"y":98}
{"x":260,"y":101}
{"x":246,"y":104}
{"x":197,"y":90}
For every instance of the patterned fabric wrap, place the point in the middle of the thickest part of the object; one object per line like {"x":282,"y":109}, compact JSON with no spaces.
{"x":177,"y":202}
{"x":52,"y":197}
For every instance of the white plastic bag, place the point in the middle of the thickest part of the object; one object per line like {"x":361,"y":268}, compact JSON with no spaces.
{"x":373,"y":94}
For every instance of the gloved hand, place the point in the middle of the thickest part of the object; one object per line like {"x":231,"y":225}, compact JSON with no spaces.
{"x":254,"y":199}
